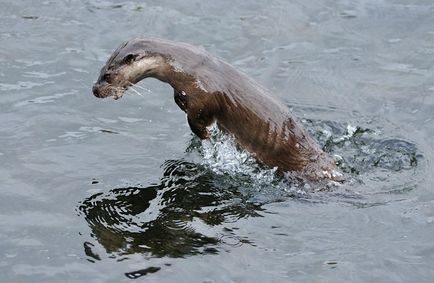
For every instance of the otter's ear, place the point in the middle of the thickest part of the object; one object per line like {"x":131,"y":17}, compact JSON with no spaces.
{"x":129,"y":58}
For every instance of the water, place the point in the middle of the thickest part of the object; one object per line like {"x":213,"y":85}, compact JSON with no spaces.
{"x":106,"y":191}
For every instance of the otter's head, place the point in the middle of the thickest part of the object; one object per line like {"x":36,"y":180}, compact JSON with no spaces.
{"x":129,"y":64}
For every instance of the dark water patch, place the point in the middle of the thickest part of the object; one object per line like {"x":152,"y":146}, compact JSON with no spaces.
{"x":142,"y":272}
{"x":108,"y":131}
{"x":331,"y":264}
{"x":170,"y":218}
{"x":30,"y":17}
{"x":92,"y":256}
{"x":118,"y":6}
{"x":348,"y":14}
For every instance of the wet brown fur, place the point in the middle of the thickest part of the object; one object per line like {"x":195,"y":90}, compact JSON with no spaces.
{"x":207,"y":89}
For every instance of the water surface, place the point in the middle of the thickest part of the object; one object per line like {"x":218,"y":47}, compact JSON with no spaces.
{"x":98,"y":190}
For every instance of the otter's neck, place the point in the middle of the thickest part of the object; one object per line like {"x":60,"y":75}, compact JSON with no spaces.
{"x":170,"y":72}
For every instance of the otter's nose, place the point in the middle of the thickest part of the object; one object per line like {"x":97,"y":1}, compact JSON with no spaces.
{"x":95,"y":90}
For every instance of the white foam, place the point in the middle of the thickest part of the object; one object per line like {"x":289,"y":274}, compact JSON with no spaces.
{"x":351,"y":130}
{"x":221,"y":154}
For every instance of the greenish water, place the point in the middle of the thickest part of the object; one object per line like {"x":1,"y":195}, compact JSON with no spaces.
{"x":98,"y":190}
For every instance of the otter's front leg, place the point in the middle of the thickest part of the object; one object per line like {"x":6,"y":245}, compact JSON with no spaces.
{"x":198,"y":121}
{"x":198,"y":128}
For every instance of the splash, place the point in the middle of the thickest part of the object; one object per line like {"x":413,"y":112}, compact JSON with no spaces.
{"x":225,"y":158}
{"x":222,"y":155}
{"x":379,"y":162}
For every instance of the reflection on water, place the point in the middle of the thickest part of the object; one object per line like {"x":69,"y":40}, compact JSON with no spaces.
{"x":167,"y":219}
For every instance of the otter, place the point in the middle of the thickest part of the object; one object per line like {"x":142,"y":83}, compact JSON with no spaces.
{"x":210,"y":90}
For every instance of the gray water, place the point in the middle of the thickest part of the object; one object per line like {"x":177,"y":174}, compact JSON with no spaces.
{"x":98,"y":190}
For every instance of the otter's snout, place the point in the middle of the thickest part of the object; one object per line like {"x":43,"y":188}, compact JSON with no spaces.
{"x":96,"y":91}
{"x":103,"y":90}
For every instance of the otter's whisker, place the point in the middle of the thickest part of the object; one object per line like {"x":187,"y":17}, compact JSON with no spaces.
{"x":143,"y":88}
{"x":133,"y":89}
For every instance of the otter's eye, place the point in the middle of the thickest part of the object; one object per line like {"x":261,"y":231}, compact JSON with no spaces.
{"x":129,"y":58}
{"x":106,"y":77}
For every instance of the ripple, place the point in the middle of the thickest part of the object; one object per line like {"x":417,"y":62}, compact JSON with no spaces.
{"x":45,"y":99}
{"x":42,"y":75}
{"x":378,"y":163}
{"x":188,"y":210}
{"x":22,"y":85}
{"x":171,"y":218}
